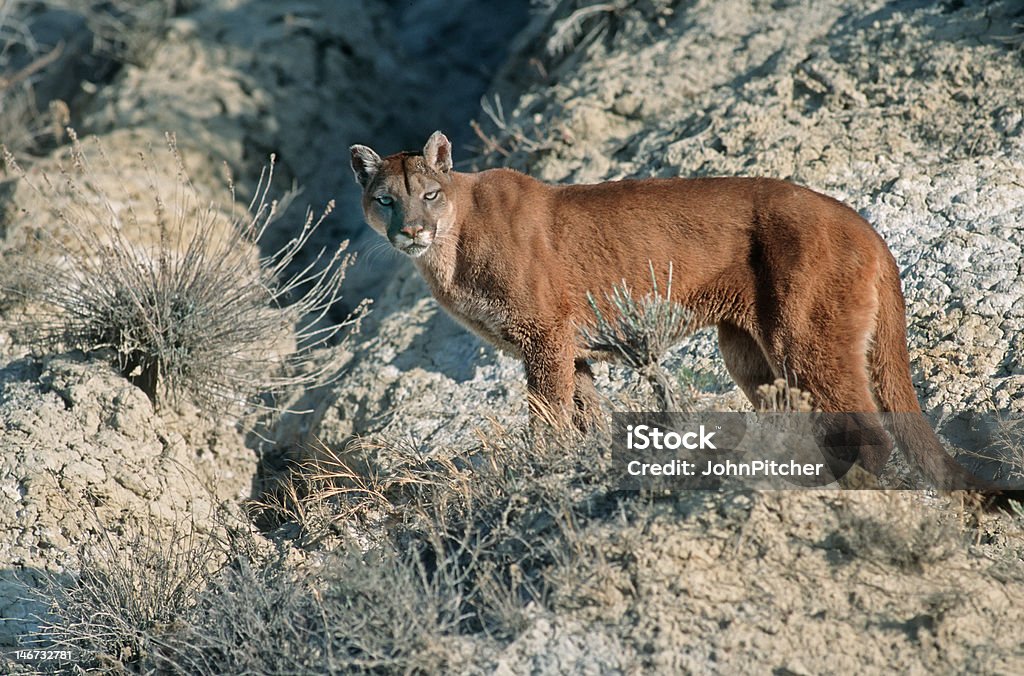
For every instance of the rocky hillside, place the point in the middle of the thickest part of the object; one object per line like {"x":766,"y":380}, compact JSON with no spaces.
{"x":910,"y":115}
{"x":910,"y":112}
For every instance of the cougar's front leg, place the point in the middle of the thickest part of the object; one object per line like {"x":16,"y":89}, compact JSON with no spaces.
{"x":551,"y":378}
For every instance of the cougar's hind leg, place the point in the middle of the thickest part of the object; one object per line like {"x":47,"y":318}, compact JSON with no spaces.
{"x":745,"y":361}
{"x":839,"y":386}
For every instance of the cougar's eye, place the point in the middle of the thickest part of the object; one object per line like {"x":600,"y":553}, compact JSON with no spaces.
{"x":385,"y":200}
{"x":432,"y":195}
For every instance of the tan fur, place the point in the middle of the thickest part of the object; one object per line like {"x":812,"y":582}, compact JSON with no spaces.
{"x":798,"y":284}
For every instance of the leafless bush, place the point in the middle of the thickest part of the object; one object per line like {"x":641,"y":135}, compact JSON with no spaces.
{"x":379,"y":612}
{"x":486,"y":523}
{"x":1009,"y":447}
{"x":576,"y":24}
{"x":321,"y":499}
{"x":510,"y":133}
{"x":190,"y":312}
{"x":21,"y":121}
{"x":123,"y":29}
{"x":568,"y":31}
{"x":641,"y":332}
{"x":129,"y":593}
{"x":1002,"y":455}
{"x":464,"y":558}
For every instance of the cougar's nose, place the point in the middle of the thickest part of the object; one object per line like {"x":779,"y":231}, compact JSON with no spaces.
{"x":411,"y":231}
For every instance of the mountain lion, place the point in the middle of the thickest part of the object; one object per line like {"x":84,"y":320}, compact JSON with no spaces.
{"x":798,"y":284}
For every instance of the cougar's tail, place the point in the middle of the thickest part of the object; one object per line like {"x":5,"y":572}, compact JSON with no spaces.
{"x":890,"y":373}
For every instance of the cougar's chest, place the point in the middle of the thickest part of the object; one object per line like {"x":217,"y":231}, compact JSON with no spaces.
{"x":485,"y":316}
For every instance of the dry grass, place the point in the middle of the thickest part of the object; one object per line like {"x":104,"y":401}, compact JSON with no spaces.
{"x":22,"y":60}
{"x":781,"y":397}
{"x":569,"y":32}
{"x":130,"y":592}
{"x":319,"y":500}
{"x":999,"y":448}
{"x":122,"y":31}
{"x":487,"y":521}
{"x":908,"y":538}
{"x":1008,"y":447}
{"x":376,"y":612}
{"x":508,"y":135}
{"x":176,"y":291}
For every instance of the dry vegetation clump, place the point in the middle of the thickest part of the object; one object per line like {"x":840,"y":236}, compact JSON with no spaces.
{"x":493,"y":505}
{"x":506,"y":135}
{"x":781,"y":397}
{"x":642,"y":332}
{"x":357,"y":612}
{"x":125,"y":29}
{"x":22,"y":59}
{"x":175,"y":290}
{"x":998,"y":451}
{"x":425,"y":564}
{"x":1008,"y":448}
{"x":129,"y":593}
{"x":593,"y":21}
{"x":908,"y":537}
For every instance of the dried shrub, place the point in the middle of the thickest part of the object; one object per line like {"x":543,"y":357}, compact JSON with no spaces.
{"x":507,"y":135}
{"x":464,"y":565}
{"x":488,"y":523}
{"x":567,"y":33}
{"x":182,"y":301}
{"x":110,"y":33}
{"x":125,"y":29}
{"x":129,"y":593}
{"x":1000,"y":455}
{"x":642,"y":332}
{"x":22,"y":59}
{"x":903,"y":536}
{"x":377,"y":612}
{"x":320,"y":499}
{"x":781,"y":397}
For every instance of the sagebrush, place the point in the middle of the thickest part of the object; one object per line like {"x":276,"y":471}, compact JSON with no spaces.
{"x":177,"y":291}
{"x":641,"y":332}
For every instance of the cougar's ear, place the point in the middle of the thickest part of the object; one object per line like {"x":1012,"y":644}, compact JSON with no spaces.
{"x":438,"y":152}
{"x":365,"y":163}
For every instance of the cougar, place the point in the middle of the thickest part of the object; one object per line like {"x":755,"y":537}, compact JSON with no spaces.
{"x":798,"y":285}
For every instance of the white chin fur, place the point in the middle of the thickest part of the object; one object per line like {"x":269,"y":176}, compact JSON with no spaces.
{"x":415,"y":250}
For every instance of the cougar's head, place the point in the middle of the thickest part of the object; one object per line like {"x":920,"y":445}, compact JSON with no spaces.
{"x":407,"y":197}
